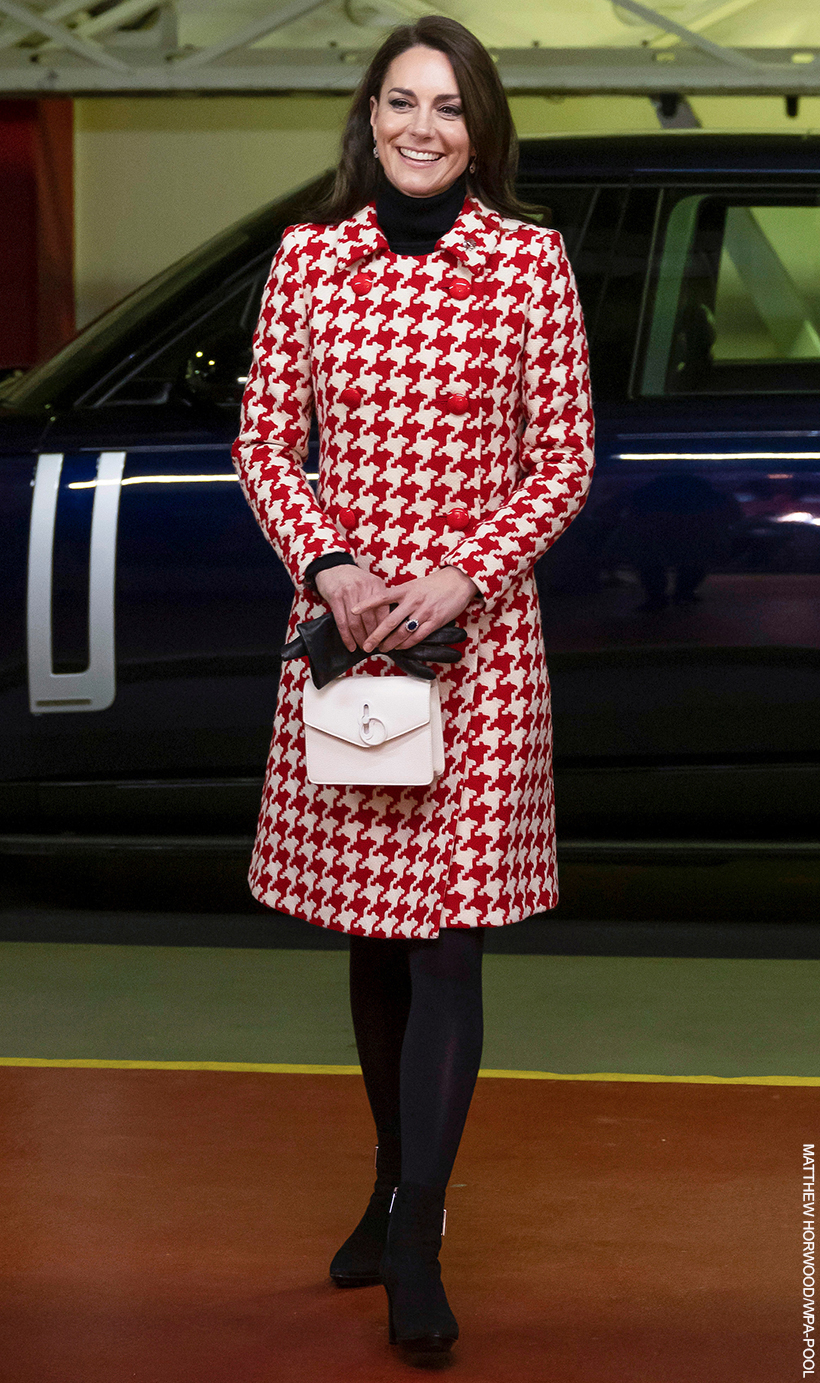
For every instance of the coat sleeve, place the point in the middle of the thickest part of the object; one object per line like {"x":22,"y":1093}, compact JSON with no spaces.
{"x":270,"y":451}
{"x":556,"y":455}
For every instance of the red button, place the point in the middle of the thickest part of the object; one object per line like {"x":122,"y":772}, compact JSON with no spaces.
{"x":458,"y":288}
{"x":361,"y":283}
{"x":458,"y":403}
{"x":348,"y":518}
{"x":458,"y":519}
{"x":351,"y":397}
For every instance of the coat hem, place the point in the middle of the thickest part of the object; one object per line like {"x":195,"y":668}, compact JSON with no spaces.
{"x":451,"y":926}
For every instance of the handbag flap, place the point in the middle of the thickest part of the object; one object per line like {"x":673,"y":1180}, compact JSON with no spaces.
{"x":367,"y":711}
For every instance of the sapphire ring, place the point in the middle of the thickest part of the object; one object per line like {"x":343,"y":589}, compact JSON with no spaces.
{"x":412,"y":625}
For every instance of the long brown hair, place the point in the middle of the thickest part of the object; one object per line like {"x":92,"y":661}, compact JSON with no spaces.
{"x":486,"y":115}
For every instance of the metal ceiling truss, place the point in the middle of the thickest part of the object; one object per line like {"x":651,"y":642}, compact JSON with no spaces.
{"x":131,"y":47}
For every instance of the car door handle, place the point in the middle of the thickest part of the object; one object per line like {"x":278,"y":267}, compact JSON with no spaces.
{"x":95,"y":688}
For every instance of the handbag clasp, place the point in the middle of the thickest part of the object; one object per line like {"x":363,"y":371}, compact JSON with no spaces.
{"x":371,"y":729}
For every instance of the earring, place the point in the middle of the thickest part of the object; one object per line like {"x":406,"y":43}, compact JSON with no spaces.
{"x":375,"y":149}
{"x":472,"y":166}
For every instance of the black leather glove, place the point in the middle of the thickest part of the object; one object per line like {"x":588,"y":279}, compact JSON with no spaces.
{"x":320,"y":640}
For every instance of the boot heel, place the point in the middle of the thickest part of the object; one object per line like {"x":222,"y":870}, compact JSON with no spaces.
{"x":391,"y":1329}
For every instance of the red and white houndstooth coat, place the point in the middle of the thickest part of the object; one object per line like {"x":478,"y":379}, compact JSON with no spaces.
{"x":453,"y":405}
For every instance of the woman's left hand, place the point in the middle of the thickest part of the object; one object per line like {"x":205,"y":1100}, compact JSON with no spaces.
{"x":432,"y":600}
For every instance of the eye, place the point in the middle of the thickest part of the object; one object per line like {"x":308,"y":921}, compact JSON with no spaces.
{"x":451,"y":110}
{"x":398,"y":103}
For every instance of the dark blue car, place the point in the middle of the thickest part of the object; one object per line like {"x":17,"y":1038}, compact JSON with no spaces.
{"x":143,"y":609}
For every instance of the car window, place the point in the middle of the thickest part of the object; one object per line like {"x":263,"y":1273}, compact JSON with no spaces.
{"x":611,"y":263}
{"x":204,"y":358}
{"x":35,"y":388}
{"x":737,"y":299}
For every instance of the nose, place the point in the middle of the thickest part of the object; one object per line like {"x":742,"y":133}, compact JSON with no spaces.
{"x":421,"y":126}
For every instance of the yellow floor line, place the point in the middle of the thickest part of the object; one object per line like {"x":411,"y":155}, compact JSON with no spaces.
{"x":289,"y":1069}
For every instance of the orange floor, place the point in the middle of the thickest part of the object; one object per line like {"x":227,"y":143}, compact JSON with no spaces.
{"x":176,"y":1226}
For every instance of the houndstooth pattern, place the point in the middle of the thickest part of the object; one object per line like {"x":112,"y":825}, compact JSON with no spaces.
{"x":476,"y":848}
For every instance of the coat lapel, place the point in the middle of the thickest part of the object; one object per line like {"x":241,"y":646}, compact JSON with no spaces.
{"x":474,"y":237}
{"x":360,"y":237}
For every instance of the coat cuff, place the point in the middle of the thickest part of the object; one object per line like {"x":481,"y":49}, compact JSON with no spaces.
{"x":324,"y":563}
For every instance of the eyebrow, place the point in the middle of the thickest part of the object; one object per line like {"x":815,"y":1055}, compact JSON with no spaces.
{"x":405,"y":91}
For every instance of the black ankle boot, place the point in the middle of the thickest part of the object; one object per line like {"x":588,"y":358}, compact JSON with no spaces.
{"x":419,"y":1316}
{"x":358,"y":1261}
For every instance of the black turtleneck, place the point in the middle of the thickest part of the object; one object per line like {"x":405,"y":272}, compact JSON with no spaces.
{"x":413,"y":225}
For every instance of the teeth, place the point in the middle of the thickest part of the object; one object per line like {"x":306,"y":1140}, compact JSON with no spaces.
{"x":419,"y":155}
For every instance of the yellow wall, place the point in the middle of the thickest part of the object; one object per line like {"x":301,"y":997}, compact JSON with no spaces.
{"x":156,"y":176}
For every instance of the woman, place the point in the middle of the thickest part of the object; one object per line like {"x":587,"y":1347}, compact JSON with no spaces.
{"x":437,"y":334}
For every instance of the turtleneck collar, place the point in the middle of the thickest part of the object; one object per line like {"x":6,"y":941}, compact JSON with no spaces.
{"x":414,"y":225}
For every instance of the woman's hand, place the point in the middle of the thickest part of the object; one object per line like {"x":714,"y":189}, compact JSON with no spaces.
{"x":432,"y":600}
{"x":346,"y":587}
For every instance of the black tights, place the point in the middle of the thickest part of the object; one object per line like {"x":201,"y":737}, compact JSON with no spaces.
{"x":418,"y":1020}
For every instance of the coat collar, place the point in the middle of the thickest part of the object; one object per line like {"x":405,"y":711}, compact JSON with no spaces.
{"x":471,"y":241}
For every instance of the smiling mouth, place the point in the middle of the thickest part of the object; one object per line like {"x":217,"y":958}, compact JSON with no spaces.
{"x":419,"y":155}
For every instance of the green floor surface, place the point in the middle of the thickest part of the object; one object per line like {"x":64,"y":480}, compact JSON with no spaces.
{"x":567,"y":1014}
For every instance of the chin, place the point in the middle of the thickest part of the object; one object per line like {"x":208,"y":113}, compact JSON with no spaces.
{"x":420,"y":184}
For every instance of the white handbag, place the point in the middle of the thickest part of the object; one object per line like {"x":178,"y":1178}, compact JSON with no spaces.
{"x":373,"y":731}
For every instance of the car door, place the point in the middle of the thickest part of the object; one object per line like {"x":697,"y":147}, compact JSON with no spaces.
{"x":681,"y":610}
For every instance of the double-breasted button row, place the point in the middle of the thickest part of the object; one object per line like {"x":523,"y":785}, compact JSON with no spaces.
{"x":460,"y":289}
{"x":457,"y":402}
{"x":457,"y":519}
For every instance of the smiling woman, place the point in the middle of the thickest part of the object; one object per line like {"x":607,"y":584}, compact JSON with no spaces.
{"x":438,"y":337}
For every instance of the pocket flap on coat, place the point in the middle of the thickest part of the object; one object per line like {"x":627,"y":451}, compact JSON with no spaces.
{"x":365,"y":710}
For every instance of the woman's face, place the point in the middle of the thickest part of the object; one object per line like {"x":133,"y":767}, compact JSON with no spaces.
{"x":418,"y":123}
